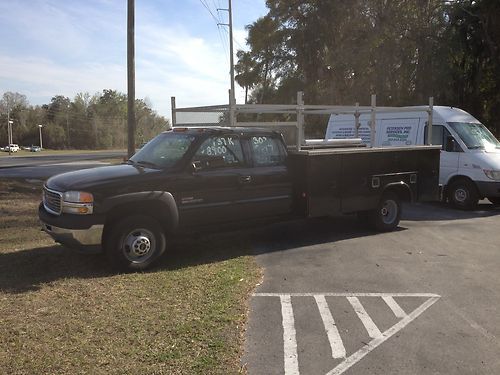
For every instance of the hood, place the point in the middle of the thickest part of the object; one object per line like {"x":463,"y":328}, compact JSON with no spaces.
{"x":489,"y":159}
{"x":90,"y":179}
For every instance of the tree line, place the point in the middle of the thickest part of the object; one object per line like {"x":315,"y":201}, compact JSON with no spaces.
{"x":87,"y":121}
{"x":340,"y":52}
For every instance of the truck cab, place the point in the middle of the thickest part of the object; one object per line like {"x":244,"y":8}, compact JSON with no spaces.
{"x":182,"y":180}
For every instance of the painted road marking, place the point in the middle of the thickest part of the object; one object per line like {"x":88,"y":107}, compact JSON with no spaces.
{"x":396,"y":309}
{"x":370,"y":326}
{"x":289,"y":336}
{"x":291,"y":362}
{"x":336,"y":344}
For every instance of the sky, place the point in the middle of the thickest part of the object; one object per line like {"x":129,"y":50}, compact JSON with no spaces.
{"x":63,"y":47}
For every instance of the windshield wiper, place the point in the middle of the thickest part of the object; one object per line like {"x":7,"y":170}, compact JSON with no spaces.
{"x":146,"y":163}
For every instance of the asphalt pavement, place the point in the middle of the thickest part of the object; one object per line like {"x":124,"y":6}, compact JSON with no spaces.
{"x":45,"y":166}
{"x":338,"y":298}
{"x":17,"y":160}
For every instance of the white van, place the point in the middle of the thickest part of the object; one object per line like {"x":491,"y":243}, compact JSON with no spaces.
{"x":470,"y":155}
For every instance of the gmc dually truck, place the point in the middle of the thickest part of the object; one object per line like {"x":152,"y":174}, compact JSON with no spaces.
{"x":187,"y":179}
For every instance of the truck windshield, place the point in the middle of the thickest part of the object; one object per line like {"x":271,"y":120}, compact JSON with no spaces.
{"x":163,"y":151}
{"x":475,"y":136}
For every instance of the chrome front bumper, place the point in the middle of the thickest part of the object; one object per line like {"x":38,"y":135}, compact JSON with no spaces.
{"x":88,"y":240}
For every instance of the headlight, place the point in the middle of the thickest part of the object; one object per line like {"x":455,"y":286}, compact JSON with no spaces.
{"x":78,"y":202}
{"x":491,"y":174}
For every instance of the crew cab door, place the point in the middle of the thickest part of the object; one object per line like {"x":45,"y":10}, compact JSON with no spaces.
{"x":210,"y":193}
{"x":268,"y":186}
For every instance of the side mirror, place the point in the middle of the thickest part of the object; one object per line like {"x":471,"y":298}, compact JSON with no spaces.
{"x":450,"y":144}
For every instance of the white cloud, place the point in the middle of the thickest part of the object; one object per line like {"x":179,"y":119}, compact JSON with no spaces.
{"x":80,"y":46}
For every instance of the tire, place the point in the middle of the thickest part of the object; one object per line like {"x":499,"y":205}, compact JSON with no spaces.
{"x":134,"y":243}
{"x":463,"y":194}
{"x":494,"y":200}
{"x":388,"y":213}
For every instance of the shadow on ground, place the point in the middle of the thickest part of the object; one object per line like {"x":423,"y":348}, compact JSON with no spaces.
{"x":441,"y":211}
{"x":28,"y":270}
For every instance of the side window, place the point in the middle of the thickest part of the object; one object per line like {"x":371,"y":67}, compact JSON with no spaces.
{"x":266,"y":151}
{"x":438,"y":135}
{"x":455,"y":146}
{"x":218,"y":152}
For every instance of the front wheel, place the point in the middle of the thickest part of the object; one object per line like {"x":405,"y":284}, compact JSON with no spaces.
{"x":134,"y":243}
{"x":463,"y":195}
{"x":388,"y":213}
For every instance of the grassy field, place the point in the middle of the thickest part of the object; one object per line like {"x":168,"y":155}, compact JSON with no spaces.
{"x":67,"y":313}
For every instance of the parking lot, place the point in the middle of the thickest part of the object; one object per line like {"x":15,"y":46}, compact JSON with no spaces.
{"x":337,"y":298}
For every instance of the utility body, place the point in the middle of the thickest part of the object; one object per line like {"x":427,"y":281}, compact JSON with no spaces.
{"x":470,"y":154}
{"x":190,"y":179}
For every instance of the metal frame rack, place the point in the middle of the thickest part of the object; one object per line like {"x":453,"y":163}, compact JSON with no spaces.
{"x":300,"y":110}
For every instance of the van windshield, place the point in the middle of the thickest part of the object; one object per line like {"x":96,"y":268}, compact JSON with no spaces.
{"x":163,"y":151}
{"x":475,"y":135}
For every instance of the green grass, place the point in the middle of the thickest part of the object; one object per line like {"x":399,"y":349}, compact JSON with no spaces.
{"x":68,"y":313}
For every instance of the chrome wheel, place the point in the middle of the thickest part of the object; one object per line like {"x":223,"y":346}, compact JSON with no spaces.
{"x":138,"y":245}
{"x":389,"y":211}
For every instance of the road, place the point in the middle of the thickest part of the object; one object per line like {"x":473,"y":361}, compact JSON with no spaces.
{"x":44,"y":166}
{"x":337,"y":298}
{"x":32,"y":160}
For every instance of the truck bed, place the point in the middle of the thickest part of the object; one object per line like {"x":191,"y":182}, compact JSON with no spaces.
{"x":333,"y":181}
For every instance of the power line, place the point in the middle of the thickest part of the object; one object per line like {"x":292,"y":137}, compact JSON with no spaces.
{"x":207,"y":7}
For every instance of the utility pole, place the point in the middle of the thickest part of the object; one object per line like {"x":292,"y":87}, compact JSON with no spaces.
{"x":41,"y":143}
{"x":9,"y":130}
{"x":130,"y":78}
{"x":67,"y":124}
{"x":232,"y":97}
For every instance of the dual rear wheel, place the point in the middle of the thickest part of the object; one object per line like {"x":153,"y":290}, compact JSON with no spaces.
{"x":387,"y":215}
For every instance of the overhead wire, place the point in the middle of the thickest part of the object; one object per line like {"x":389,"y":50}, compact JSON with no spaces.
{"x":218,"y":22}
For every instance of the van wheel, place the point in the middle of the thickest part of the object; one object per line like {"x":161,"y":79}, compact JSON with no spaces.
{"x":463,"y":194}
{"x":388,"y":213}
{"x":134,"y":243}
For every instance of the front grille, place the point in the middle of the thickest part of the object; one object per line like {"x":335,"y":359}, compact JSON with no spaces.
{"x":52,"y":201}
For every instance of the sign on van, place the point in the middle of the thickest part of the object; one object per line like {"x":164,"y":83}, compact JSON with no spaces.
{"x":389,"y":132}
{"x":398,"y":132}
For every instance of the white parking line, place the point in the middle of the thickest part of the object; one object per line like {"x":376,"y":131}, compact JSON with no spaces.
{"x":289,"y":337}
{"x":356,"y":357}
{"x":336,"y":344}
{"x":370,"y":326}
{"x":291,"y":362}
{"x":396,"y":309}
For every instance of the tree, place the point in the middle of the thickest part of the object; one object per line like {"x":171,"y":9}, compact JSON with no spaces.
{"x":339,"y":52}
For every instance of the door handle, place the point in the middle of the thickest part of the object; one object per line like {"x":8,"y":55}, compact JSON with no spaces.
{"x":245,"y":179}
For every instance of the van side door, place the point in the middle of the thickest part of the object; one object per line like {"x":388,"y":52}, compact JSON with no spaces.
{"x":450,"y":152}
